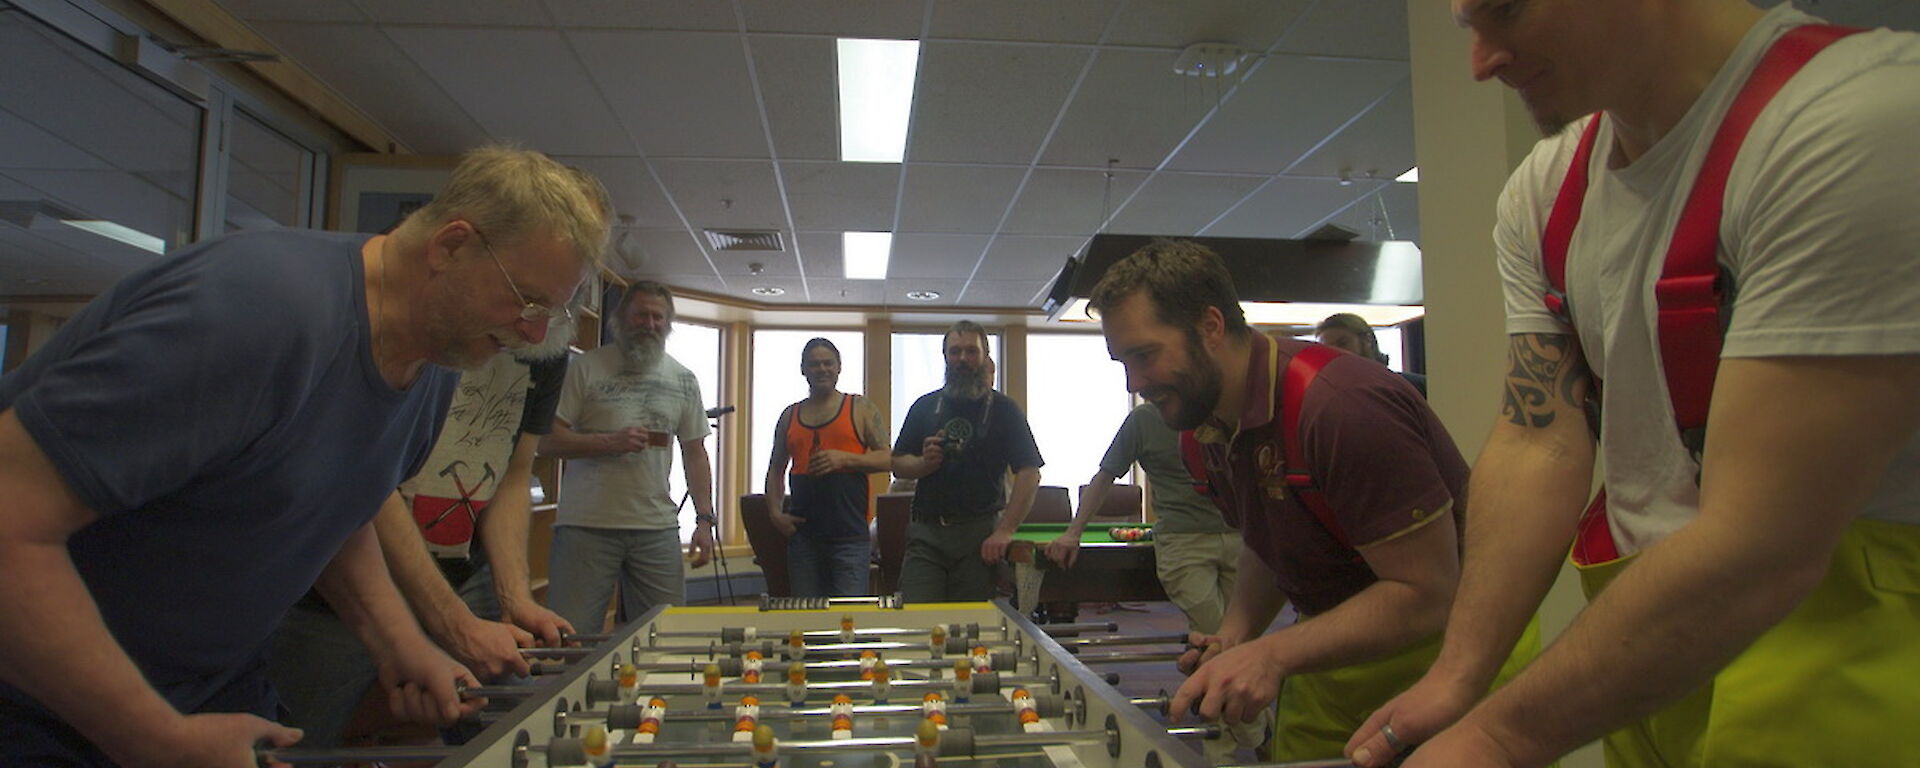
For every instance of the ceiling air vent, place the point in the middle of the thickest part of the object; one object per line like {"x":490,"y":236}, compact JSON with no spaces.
{"x":745,"y":239}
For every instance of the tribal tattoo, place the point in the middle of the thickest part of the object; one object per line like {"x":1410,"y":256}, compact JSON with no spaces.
{"x":1547,"y":371}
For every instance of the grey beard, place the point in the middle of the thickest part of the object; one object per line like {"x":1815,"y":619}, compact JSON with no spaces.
{"x":968,"y":389}
{"x":642,"y":354}
{"x":559,"y":336}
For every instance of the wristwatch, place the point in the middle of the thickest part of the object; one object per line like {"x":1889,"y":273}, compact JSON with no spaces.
{"x":706,"y":518}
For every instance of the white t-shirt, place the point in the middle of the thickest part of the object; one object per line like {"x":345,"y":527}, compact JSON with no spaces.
{"x":1821,"y":232}
{"x":628,"y":490}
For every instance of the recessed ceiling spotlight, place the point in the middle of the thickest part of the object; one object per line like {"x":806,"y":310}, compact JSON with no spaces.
{"x":768,"y":290}
{"x":923,"y":295}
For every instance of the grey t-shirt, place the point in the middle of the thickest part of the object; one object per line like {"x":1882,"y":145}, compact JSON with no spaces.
{"x":628,"y":490}
{"x":1146,"y":439}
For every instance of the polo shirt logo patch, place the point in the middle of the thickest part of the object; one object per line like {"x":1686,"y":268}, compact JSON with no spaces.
{"x":1267,"y":459}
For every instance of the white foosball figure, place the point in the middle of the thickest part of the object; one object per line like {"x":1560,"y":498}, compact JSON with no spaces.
{"x":710,"y":685}
{"x":1026,"y":710}
{"x":629,"y":683}
{"x":796,"y":685}
{"x":846,"y":629}
{"x":926,"y":743}
{"x":842,"y":713}
{"x":933,"y":708}
{"x":746,"y":718}
{"x":598,"y":747}
{"x":796,"y":646}
{"x":882,"y":682}
{"x":751,"y":667}
{"x":766,"y":749}
{"x":651,"y":716}
{"x":867,"y":660}
{"x":962,"y":681}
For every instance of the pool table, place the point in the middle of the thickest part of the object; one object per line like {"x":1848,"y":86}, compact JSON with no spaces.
{"x":1106,"y":571}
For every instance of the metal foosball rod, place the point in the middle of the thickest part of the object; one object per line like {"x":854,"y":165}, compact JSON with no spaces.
{"x":628,"y":716}
{"x":726,"y":632}
{"x":1071,"y":642}
{"x":958,"y":741}
{"x":1128,"y":658}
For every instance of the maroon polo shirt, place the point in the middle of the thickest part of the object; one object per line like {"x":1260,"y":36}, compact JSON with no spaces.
{"x":1373,"y":447}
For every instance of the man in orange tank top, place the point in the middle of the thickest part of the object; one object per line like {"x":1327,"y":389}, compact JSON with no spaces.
{"x":832,"y":441}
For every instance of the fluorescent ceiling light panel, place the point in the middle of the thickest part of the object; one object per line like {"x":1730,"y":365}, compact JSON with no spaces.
{"x":1412,"y":176}
{"x":124,"y":234}
{"x":865,"y":254}
{"x":876,"y":98}
{"x":1288,"y":313}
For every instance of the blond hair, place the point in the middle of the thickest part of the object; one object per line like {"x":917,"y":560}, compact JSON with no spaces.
{"x":513,"y":194}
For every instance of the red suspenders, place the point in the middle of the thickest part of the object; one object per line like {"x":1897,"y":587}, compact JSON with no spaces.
{"x":1301,"y":371}
{"x":1692,"y":291}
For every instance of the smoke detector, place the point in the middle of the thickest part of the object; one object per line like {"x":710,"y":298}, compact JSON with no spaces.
{"x":1209,"y":60}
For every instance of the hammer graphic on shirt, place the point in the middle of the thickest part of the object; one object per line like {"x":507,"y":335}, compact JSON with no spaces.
{"x":466,"y":495}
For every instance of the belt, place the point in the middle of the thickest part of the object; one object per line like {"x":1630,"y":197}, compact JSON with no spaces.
{"x":948,"y":521}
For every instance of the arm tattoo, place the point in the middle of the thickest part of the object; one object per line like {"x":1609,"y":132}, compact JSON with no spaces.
{"x":1546,"y":372}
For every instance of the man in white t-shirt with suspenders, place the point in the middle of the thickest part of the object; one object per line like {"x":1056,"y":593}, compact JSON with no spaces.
{"x":1723,"y":265}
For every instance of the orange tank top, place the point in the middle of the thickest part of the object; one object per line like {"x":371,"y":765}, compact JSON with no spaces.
{"x":838,"y":434}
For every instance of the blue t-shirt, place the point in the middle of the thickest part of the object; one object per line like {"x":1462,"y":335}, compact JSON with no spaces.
{"x":985,"y":439}
{"x":220,"y":411}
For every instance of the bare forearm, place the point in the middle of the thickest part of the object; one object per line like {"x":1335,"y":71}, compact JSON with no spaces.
{"x":1090,"y":503}
{"x":358,"y":587}
{"x":426,"y":591}
{"x":566,"y":443}
{"x":1526,"y":504}
{"x":51,"y":634}
{"x":505,"y":524}
{"x":1025,"y":483}
{"x":699,"y":478}
{"x":1256,"y":599}
{"x":873,"y":461}
{"x":1385,"y":618}
{"x":910,"y":466}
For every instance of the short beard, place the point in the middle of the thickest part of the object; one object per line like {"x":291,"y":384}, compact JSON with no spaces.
{"x":1197,"y":386}
{"x":964,"y":387}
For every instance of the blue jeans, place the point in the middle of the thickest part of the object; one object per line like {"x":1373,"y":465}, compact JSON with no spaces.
{"x":648,"y":566}
{"x":828,"y":567}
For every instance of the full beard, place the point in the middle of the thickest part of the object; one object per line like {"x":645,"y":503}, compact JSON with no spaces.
{"x":964,"y":383}
{"x":643,"y":350}
{"x":1195,"y":390}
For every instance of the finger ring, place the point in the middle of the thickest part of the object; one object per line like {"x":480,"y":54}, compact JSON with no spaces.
{"x":1393,"y":742}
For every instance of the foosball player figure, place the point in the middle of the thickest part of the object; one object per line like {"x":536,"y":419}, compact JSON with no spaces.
{"x":933,"y":707}
{"x":598,"y":747}
{"x":926,"y":744}
{"x":882,"y":682}
{"x":937,"y":648}
{"x":1025,"y":709}
{"x":751,"y":667}
{"x":842,"y":711}
{"x":982,"y":660}
{"x":867,"y":660}
{"x":746,"y":718}
{"x":962,"y":681}
{"x":796,"y":684}
{"x":650,"y":717}
{"x":796,"y":646}
{"x":766,"y":750}
{"x":629,"y":683}
{"x":846,"y":629}
{"x":710,"y":685}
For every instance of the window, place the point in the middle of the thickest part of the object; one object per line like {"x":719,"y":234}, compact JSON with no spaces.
{"x":777,"y":383}
{"x":99,"y":167}
{"x":1076,"y":399}
{"x":1392,"y":344}
{"x":920,"y":366}
{"x":698,"y":348}
{"x":267,"y":177}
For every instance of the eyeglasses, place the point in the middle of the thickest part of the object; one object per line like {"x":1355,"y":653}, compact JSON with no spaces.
{"x":531,"y":312}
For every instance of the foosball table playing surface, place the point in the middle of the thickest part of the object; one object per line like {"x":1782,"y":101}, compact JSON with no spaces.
{"x":841,"y":683}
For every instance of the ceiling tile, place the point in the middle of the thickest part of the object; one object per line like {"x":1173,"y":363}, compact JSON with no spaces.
{"x":820,"y":254}
{"x":843,"y":291}
{"x":382,"y":81}
{"x":1380,"y":143}
{"x":986,"y":103}
{"x":294,"y":10}
{"x":464,"y":12}
{"x":724,"y":193}
{"x":921,"y":255}
{"x":1027,"y":258}
{"x":1053,"y":21}
{"x":662,"y":252}
{"x":744,"y":265}
{"x":956,"y":198}
{"x":1364,"y":28}
{"x":1287,"y":106}
{"x":1393,"y":214}
{"x":632,"y":187}
{"x":1058,"y":201}
{"x":554,"y":107}
{"x":1286,"y":208}
{"x":1249,"y":24}
{"x":703,"y":283}
{"x":1133,"y":108}
{"x":898,"y":19}
{"x":1001,"y":293}
{"x":841,"y":196}
{"x":797,"y":83}
{"x":1179,"y":204}
{"x":797,"y":291}
{"x":680,"y":94}
{"x":642,"y":14}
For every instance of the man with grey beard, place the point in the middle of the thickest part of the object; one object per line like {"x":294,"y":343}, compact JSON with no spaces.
{"x":959,"y":443}
{"x":622,"y":407}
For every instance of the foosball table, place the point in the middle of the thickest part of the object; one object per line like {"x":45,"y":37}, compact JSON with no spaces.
{"x":819,"y":683}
